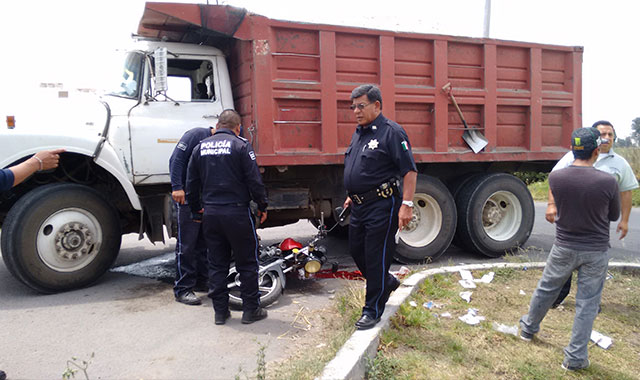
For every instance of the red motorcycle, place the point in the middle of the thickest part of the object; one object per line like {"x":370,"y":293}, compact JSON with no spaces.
{"x":275,"y":261}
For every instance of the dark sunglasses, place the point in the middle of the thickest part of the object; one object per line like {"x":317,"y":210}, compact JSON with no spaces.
{"x":359,"y":106}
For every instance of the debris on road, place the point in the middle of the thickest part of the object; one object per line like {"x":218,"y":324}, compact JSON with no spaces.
{"x":487,"y":278}
{"x":472,"y":317}
{"x":601,"y":340}
{"x":430,"y":305}
{"x":467,"y":284}
{"x":466,"y":296}
{"x":511,"y":330}
{"x":402,"y":272}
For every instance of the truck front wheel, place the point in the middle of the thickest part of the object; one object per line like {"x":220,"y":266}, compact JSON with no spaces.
{"x":433,"y":225}
{"x":60,"y":237}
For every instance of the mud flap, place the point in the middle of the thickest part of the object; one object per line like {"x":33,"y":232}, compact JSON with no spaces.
{"x":154,"y":216}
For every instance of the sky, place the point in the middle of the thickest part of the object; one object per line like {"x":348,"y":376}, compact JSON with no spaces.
{"x":70,"y":41}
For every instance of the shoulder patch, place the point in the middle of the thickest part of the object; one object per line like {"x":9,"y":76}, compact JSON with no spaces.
{"x":252,"y":156}
{"x":182,"y":146}
{"x":242,"y":138}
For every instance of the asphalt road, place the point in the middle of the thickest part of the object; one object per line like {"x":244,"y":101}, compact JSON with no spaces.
{"x":136,"y":330}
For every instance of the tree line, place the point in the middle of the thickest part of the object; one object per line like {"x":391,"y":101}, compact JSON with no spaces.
{"x":633,"y":139}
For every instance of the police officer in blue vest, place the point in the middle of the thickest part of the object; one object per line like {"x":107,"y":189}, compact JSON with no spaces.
{"x":222,"y":179}
{"x":378,"y":157}
{"x":191,"y":249}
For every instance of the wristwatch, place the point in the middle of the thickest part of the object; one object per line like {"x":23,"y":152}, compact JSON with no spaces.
{"x":408,"y":203}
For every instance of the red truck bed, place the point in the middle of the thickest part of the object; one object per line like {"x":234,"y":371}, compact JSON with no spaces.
{"x":292,"y":82}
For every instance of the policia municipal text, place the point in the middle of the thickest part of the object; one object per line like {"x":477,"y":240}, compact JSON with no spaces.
{"x":222,"y":178}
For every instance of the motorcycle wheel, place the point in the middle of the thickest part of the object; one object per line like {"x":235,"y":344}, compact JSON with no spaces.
{"x":269,"y":287}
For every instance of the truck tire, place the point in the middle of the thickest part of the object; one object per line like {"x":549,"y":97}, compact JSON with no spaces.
{"x":60,"y":237}
{"x":431,"y":230}
{"x":455,"y":187}
{"x":495,"y":214}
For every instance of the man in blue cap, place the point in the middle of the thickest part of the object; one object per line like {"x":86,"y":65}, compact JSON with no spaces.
{"x":609,"y":162}
{"x":587,"y":200}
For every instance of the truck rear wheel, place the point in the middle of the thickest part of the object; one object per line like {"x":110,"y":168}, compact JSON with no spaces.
{"x":431,"y":230}
{"x":60,"y":237}
{"x":495,"y":214}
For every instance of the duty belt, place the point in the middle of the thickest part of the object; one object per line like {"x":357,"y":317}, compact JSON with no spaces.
{"x":385,"y":190}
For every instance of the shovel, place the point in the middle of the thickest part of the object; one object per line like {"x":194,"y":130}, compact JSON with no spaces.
{"x":471,"y":136}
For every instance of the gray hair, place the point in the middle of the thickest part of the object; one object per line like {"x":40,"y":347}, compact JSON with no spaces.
{"x":371,"y":90}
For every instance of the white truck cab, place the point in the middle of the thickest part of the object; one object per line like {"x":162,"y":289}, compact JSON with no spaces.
{"x":114,"y":176}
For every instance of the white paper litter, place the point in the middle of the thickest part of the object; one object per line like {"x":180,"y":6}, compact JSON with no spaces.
{"x":487,"y":278}
{"x":413,"y":303}
{"x":601,"y":340}
{"x":512,"y":330}
{"x":467,"y":284}
{"x":522,"y":293}
{"x":403,"y":271}
{"x":446,"y":315}
{"x":431,"y":305}
{"x":472,"y":317}
{"x":466,"y":296}
{"x":466,"y":275}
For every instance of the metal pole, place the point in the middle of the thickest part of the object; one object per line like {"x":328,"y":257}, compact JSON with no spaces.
{"x":487,"y":18}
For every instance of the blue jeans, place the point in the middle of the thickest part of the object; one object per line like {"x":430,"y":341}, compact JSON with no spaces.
{"x":592,"y":271}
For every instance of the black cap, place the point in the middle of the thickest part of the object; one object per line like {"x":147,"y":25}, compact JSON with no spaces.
{"x":585,"y":139}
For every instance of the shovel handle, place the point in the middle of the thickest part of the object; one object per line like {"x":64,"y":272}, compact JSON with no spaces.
{"x":455,"y":104}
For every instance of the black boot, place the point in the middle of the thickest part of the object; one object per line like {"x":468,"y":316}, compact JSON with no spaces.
{"x":221,"y":318}
{"x":254,"y":315}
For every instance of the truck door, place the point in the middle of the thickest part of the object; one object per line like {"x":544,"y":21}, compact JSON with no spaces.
{"x":192,"y":100}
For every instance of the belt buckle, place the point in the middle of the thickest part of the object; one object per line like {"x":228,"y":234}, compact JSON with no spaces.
{"x":356,"y":198}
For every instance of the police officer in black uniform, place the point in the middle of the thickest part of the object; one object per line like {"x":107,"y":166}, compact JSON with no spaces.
{"x":223,"y":177}
{"x":191,"y":249}
{"x":377,"y":158}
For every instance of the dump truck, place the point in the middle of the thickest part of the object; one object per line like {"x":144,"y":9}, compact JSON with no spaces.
{"x":291,"y":83}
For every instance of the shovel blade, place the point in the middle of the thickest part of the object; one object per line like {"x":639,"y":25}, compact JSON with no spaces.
{"x":475,"y":140}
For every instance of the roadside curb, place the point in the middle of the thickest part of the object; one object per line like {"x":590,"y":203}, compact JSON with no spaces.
{"x":351,"y":360}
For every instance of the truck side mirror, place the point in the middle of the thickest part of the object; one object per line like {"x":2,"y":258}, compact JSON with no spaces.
{"x":160,"y":59}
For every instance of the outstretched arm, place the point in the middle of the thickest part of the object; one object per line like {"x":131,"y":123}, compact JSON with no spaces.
{"x":44,"y":160}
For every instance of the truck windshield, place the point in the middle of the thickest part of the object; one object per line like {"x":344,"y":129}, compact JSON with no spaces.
{"x":129,"y":76}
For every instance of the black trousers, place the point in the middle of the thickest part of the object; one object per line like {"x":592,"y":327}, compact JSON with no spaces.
{"x":231,"y":228}
{"x":372,"y":245}
{"x":191,"y":253}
